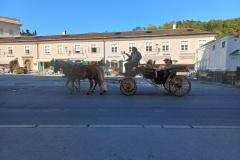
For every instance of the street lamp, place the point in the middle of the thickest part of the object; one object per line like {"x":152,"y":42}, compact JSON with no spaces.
{"x":66,"y":49}
{"x":157,"y":49}
{"x":67,"y":52}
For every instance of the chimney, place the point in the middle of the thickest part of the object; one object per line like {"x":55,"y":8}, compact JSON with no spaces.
{"x":64,"y":32}
{"x":174,"y":26}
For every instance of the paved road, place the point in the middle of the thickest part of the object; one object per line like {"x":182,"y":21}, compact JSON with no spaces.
{"x":39,"y":119}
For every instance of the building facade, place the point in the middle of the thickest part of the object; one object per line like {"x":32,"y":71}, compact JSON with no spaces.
{"x":37,"y":51}
{"x":9,"y":27}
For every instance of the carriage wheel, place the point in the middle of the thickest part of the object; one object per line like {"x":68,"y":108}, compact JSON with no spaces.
{"x":166,"y":85}
{"x":180,"y":86}
{"x":128,"y":86}
{"x":237,"y":82}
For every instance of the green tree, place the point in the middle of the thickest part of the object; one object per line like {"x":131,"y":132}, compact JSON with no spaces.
{"x":222,"y":27}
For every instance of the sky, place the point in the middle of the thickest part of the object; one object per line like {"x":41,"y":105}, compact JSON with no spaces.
{"x":51,"y":17}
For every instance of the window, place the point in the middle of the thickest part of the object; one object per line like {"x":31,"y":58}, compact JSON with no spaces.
{"x":10,"y":50}
{"x":184,"y":45}
{"x":77,"y":49}
{"x":149,"y":46}
{"x":114,"y":48}
{"x":11,"y":31}
{"x":27,"y":50}
{"x":165,"y":46}
{"x":213,"y":48}
{"x":47,"y":49}
{"x":59,"y":49}
{"x":130,"y":45}
{"x":223,"y":44}
{"x":1,"y":30}
{"x":201,"y":42}
{"x":93,"y":49}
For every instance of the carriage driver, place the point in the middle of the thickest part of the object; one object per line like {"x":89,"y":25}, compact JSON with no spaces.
{"x":133,"y":60}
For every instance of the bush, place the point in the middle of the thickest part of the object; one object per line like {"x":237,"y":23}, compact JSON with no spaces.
{"x":17,"y":71}
{"x":114,"y":72}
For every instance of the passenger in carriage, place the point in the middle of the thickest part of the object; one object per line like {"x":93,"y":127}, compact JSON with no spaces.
{"x":150,"y":64}
{"x":133,"y":60}
{"x":168,"y":65}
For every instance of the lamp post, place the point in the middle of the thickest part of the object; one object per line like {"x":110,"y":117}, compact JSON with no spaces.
{"x":67,"y":52}
{"x":66,"y":49}
{"x":157,"y":49}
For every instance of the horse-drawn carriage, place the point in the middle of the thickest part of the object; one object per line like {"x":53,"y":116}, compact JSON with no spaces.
{"x":178,"y":85}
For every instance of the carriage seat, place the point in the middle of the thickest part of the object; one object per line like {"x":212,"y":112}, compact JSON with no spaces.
{"x":146,"y":72}
{"x":164,"y":73}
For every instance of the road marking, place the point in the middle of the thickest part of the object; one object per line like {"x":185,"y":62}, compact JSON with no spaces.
{"x":216,"y":127}
{"x":18,"y":126}
{"x":62,"y":126}
{"x":153,"y":126}
{"x":122,"y":126}
{"x":177,"y":126}
{"x":116,"y":126}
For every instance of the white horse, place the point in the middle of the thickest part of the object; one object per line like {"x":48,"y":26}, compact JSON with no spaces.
{"x":67,"y":68}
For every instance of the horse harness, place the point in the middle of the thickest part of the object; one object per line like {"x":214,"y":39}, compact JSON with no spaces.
{"x":74,"y":68}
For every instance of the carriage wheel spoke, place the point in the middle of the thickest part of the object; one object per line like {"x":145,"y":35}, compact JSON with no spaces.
{"x":180,"y":86}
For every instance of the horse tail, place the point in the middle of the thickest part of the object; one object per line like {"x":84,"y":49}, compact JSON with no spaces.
{"x":103,"y":78}
{"x":99,"y":77}
{"x":99,"y":80}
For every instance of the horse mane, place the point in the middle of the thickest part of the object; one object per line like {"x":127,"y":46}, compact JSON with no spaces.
{"x":66,"y":66}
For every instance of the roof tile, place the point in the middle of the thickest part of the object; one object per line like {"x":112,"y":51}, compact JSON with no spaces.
{"x":109,"y":35}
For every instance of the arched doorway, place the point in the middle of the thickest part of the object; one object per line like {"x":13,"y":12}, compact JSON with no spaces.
{"x":114,"y":63}
{"x":28,"y":64}
{"x":27,"y":60}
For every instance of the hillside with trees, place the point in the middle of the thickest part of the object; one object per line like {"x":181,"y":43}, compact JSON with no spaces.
{"x":222,"y":27}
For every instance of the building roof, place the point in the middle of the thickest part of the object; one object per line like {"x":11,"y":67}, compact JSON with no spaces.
{"x":109,"y":35}
{"x":10,"y":20}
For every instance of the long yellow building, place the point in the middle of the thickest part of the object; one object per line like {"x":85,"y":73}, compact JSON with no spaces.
{"x":36,"y":52}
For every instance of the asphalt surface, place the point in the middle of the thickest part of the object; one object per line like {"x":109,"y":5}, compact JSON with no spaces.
{"x":40,"y":120}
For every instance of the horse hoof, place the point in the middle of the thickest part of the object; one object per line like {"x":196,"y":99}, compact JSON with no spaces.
{"x":104,"y":91}
{"x":101,"y":93}
{"x":87,"y":93}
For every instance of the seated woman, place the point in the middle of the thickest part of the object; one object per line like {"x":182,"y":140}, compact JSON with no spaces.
{"x":151,"y":64}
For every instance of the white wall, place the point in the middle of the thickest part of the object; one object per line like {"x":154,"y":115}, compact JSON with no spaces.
{"x":220,"y":58}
